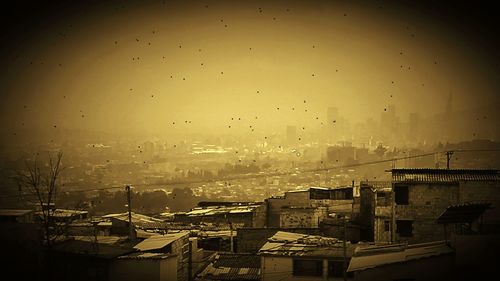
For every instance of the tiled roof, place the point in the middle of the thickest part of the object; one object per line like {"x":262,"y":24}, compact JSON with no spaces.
{"x":443,"y":175}
{"x":374,"y":256}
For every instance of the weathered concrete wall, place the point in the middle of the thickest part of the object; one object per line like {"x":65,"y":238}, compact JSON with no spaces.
{"x":302,"y":217}
{"x":485,"y":191}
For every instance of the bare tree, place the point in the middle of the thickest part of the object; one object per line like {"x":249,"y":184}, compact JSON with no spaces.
{"x":41,"y":182}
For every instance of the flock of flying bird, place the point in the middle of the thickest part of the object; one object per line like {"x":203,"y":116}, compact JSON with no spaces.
{"x":231,"y":125}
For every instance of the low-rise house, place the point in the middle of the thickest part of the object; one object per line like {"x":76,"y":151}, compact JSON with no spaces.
{"x":426,"y":261}
{"x":245,"y":214}
{"x":231,"y":267}
{"x":74,"y":259}
{"x":144,"y":266}
{"x":307,"y":208}
{"x":63,"y":215}
{"x":250,"y":240}
{"x":406,"y":209}
{"x":172,"y":243}
{"x":294,"y":256}
{"x":120,"y":223}
{"x":16,"y":215}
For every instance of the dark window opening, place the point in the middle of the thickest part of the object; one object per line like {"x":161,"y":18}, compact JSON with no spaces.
{"x":404,"y":228}
{"x":307,"y":267}
{"x":386,"y":225}
{"x":383,"y":199}
{"x":401,"y":194}
{"x":336,"y":269}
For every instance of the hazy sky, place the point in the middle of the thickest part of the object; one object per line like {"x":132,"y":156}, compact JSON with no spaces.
{"x":142,"y":65}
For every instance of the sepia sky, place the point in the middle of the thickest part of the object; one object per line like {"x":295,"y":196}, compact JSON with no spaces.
{"x":140,"y":66}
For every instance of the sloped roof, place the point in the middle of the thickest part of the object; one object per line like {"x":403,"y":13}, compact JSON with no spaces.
{"x":377,"y":185}
{"x":91,"y":249}
{"x":375,"y":256}
{"x":139,"y":220}
{"x":159,"y":241}
{"x":444,"y":175}
{"x":463,"y":213}
{"x":229,"y":266}
{"x":295,"y":244}
{"x":14,"y":212}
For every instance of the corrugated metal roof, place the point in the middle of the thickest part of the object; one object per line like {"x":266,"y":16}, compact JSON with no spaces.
{"x":443,"y":175}
{"x":296,"y":244}
{"x":463,"y":213}
{"x":232,"y":267}
{"x":159,"y":241}
{"x":141,"y":255}
{"x":374,"y":256}
{"x":139,"y":220}
{"x":91,"y":249}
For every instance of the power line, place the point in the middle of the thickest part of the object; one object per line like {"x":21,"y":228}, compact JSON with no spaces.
{"x":265,"y":175}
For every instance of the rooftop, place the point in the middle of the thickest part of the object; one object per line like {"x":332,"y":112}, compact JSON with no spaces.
{"x":229,"y":266}
{"x":374,"y":256}
{"x":141,"y":221}
{"x":159,"y":241}
{"x":14,"y":212}
{"x":444,"y":175}
{"x":91,"y":249}
{"x":463,"y":213}
{"x":296,"y":244}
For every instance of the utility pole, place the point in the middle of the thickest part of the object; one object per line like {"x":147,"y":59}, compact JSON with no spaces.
{"x":130,"y":227}
{"x":190,"y":262}
{"x":448,"y":157}
{"x":344,"y":272}
{"x":231,"y":236}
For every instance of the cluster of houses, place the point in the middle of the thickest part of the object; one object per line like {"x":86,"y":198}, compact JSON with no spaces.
{"x":424,"y":224}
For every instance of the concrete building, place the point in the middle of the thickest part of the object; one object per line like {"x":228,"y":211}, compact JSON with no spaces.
{"x":144,"y":266}
{"x":292,"y":256}
{"x":240,"y":214}
{"x":306,"y":208}
{"x":16,"y":215}
{"x":407,"y":208}
{"x":172,"y":243}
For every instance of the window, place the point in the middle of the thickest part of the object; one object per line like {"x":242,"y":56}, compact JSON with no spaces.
{"x":335,"y":268}
{"x":404,"y":228}
{"x":387,"y":226}
{"x":307,"y":267}
{"x":401,"y":194}
{"x":383,"y":199}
